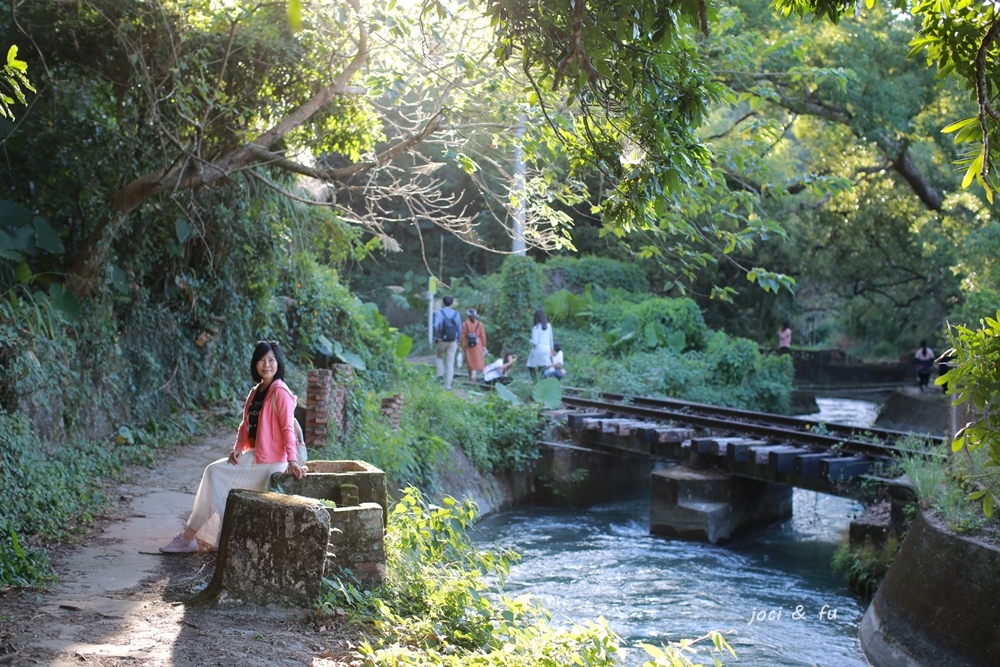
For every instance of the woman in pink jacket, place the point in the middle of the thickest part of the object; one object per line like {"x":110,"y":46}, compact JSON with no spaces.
{"x":265,"y":444}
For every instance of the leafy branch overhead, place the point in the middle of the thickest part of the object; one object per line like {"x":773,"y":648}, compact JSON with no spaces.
{"x":355,"y":106}
{"x":959,"y":38}
{"x":13,"y":81}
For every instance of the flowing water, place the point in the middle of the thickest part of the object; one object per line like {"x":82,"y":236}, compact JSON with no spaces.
{"x":773,"y":588}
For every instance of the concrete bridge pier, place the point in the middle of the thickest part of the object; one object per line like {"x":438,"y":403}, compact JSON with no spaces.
{"x":711,"y":505}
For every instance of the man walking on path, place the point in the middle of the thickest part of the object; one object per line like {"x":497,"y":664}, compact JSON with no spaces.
{"x":447,"y":329}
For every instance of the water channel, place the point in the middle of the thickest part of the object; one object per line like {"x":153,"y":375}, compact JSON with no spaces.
{"x":601,"y":561}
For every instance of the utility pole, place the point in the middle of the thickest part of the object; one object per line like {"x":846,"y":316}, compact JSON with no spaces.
{"x":519,"y":191}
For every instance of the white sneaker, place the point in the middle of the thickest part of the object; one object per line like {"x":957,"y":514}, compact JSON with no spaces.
{"x":179,"y":545}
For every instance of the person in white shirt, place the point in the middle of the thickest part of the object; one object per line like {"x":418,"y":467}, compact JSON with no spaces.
{"x":500,"y":369}
{"x":555,"y":369}
{"x":541,"y":344}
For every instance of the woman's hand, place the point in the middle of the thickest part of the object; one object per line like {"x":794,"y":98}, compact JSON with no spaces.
{"x":295,"y":469}
{"x":234,"y":457}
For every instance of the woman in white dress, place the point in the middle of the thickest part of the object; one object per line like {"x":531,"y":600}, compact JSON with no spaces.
{"x":541,"y":344}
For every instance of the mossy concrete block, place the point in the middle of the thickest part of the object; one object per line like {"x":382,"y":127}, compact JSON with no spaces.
{"x":276,"y":553}
{"x":327,"y":480}
{"x":938,"y":604}
{"x":357,"y":541}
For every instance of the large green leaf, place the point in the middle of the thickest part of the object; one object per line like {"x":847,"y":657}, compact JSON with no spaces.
{"x":325,"y":346}
{"x":403,"y":345}
{"x":183,"y":229}
{"x":548,"y":392}
{"x":7,"y":247}
{"x":352,"y":359}
{"x":46,"y":238}
{"x":506,"y":394}
{"x":13,"y":215}
{"x":64,"y":302}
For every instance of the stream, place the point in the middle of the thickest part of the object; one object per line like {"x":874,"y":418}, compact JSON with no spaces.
{"x":773,"y":588}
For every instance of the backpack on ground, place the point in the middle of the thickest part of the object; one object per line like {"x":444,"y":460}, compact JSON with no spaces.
{"x":450,"y":327}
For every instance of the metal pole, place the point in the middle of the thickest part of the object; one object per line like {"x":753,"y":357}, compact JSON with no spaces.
{"x":520,"y":211}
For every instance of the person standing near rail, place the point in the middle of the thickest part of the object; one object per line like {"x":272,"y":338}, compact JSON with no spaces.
{"x":785,"y":338}
{"x":542,"y":340}
{"x":473,"y":343}
{"x":447,"y":330}
{"x":923,"y":358}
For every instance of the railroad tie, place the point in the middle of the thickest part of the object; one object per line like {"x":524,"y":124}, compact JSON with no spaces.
{"x":738,"y":450}
{"x":762,"y":455}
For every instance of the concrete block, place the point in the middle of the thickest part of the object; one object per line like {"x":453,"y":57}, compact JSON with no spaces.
{"x":276,"y":551}
{"x":357,"y":541}
{"x":326,"y":479}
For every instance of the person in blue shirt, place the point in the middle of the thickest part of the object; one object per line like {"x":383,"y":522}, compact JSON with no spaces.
{"x":447,"y":330}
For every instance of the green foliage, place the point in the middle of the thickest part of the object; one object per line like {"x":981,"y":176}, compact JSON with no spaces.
{"x":669,"y":324}
{"x":331,"y":325}
{"x":865,"y":567}
{"x":521,"y":292}
{"x":548,"y":393}
{"x":577,"y":273}
{"x":13,"y":79}
{"x":679,"y":654}
{"x":952,"y":36}
{"x":565,"y":306}
{"x":496,"y":435}
{"x":975,"y":380}
{"x":944,"y":485}
{"x":741,"y":377}
{"x":440,"y":607}
{"x":928,"y":477}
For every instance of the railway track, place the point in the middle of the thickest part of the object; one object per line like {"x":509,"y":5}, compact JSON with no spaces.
{"x":778,"y":429}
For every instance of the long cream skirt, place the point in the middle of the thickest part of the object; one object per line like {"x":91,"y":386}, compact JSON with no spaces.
{"x":216,"y":482}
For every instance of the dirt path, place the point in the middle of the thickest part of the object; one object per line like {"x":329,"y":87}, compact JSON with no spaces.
{"x":119,"y":602}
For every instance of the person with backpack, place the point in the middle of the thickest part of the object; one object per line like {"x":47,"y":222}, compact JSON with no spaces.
{"x":447,"y":330}
{"x":473,"y":343}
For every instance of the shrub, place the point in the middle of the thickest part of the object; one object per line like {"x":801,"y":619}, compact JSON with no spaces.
{"x":521,"y":292}
{"x":328,"y":324}
{"x":865,"y":567}
{"x":652,"y":324}
{"x":47,"y":496}
{"x":496,"y":435}
{"x":577,"y":273}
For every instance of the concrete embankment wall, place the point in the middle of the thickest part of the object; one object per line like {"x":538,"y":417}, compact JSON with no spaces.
{"x":938,"y":604}
{"x":565,"y":475}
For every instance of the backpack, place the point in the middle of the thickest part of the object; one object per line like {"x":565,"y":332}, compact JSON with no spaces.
{"x":471,"y":339}
{"x":450,"y":328}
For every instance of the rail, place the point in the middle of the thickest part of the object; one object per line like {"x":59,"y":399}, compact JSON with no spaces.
{"x":871,"y":442}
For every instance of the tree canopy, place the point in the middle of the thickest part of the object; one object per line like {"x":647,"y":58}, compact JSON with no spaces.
{"x":683,"y":128}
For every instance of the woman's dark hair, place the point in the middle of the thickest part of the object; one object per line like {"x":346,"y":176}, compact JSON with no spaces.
{"x":507,"y":354}
{"x":263,"y":347}
{"x":541,"y":319}
{"x":923,"y":345}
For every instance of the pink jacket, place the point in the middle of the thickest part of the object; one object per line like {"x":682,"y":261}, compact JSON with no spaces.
{"x":275,"y":426}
